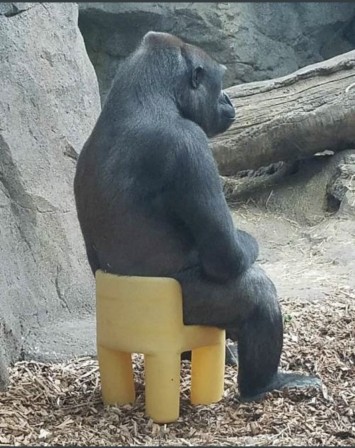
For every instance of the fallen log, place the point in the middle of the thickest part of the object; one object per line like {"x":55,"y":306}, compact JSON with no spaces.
{"x":290,"y":118}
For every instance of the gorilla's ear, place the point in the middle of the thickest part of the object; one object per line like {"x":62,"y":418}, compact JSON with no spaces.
{"x":197,"y":75}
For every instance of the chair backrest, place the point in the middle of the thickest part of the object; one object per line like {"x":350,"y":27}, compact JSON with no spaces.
{"x":144,"y":308}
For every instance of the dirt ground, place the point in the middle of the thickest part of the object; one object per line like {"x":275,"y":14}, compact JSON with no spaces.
{"x":313,"y":269}
{"x":305,"y":262}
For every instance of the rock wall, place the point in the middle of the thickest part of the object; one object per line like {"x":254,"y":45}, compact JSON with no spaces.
{"x":256,"y":41}
{"x":49,"y":102}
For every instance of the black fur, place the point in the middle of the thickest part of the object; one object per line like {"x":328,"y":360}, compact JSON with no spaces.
{"x":150,"y":201}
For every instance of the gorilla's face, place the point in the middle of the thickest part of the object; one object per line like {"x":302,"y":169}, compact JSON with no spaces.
{"x":225,"y":113}
{"x":204,"y":101}
{"x":193,"y":77}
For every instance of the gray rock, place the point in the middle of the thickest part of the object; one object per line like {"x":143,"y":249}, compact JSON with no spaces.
{"x":341,"y":187}
{"x":62,"y":340}
{"x":49,"y":102}
{"x":255,"y":41}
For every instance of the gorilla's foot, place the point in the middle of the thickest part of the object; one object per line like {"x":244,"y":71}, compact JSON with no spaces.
{"x":283,"y":381}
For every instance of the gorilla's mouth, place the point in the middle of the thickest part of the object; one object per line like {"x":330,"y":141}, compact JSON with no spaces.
{"x":229,"y":119}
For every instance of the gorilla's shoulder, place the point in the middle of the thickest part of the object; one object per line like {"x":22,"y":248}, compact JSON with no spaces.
{"x":173,"y":136}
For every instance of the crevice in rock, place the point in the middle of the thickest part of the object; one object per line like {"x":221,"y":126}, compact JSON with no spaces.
{"x":15,"y":11}
{"x":59,"y":292}
{"x":21,"y":203}
{"x":340,"y":184}
{"x":332,"y":204}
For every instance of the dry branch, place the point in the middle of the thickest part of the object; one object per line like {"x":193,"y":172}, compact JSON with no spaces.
{"x":288,"y":118}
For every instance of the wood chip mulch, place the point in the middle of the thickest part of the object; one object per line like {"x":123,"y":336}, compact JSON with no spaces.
{"x":60,"y":404}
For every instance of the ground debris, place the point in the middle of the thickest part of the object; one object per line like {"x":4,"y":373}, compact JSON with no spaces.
{"x":60,"y":404}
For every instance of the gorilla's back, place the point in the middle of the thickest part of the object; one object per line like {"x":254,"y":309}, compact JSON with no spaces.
{"x":127,"y":228}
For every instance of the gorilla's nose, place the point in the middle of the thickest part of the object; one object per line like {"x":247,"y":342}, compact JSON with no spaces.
{"x":226,"y":98}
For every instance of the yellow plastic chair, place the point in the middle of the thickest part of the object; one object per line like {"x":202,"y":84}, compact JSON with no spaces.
{"x":144,"y":315}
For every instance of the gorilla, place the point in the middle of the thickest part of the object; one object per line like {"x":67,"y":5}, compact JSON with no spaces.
{"x":150,"y":203}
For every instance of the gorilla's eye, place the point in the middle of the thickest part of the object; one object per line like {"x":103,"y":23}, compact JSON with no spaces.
{"x":197,"y":75}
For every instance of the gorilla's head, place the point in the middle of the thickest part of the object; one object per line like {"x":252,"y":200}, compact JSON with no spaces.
{"x":192,"y":78}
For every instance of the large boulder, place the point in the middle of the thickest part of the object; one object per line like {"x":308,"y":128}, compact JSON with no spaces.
{"x":49,"y":102}
{"x":256,"y":41}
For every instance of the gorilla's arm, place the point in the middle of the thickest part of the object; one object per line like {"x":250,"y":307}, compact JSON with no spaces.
{"x":197,"y":198}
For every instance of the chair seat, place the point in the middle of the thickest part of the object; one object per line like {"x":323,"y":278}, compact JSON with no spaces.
{"x":144,"y":315}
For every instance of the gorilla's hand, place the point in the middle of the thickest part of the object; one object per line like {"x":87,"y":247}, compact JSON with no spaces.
{"x":247,"y":250}
{"x":225,"y":255}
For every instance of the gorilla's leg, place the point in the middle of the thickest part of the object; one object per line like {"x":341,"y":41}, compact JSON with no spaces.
{"x":248,"y":309}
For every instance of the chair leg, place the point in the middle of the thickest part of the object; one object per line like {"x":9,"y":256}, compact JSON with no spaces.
{"x":207,"y":374}
{"x":162,"y":386}
{"x":116,"y":372}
